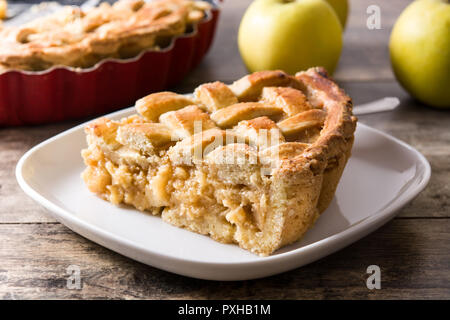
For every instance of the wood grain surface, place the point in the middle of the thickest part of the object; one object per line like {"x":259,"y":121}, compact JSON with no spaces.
{"x":412,"y":250}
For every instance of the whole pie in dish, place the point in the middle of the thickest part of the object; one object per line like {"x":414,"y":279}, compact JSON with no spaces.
{"x":252,"y":163}
{"x":80,"y":38}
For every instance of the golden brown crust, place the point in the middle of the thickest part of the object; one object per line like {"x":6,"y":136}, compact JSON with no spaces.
{"x":214,"y":96}
{"x":153,"y":105}
{"x":156,"y":133}
{"x":302,"y":121}
{"x":284,"y":151}
{"x":291,"y":100}
{"x":80,"y":38}
{"x":260,"y":172}
{"x":105,"y":130}
{"x":259,"y":123}
{"x":184,"y":122}
{"x":336,"y":137}
{"x":260,"y":132}
{"x":249,"y":87}
{"x":231,"y":115}
{"x":340,"y":124}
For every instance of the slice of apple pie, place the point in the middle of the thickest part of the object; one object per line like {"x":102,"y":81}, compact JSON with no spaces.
{"x":252,"y":163}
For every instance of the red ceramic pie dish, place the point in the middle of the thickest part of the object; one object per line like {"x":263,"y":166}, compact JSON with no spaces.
{"x":63,"y":93}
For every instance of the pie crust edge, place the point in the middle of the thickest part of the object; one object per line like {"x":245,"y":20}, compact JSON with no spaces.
{"x":307,"y":182}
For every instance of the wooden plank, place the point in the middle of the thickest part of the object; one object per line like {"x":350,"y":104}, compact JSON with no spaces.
{"x":412,"y":250}
{"x":14,"y":142}
{"x":412,"y":254}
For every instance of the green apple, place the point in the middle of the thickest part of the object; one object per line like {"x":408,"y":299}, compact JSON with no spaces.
{"x":341,"y":9}
{"x":290,"y":35}
{"x":420,"y":51}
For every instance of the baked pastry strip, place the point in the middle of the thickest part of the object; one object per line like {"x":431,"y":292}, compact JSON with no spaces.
{"x":266,"y":161}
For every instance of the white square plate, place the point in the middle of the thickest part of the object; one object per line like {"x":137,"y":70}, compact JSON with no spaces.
{"x":381,"y":177}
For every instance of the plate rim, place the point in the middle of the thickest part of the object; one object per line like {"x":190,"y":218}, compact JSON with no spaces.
{"x":341,"y":239}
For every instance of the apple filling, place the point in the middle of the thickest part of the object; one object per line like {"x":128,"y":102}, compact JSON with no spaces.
{"x":232,"y":203}
{"x":244,"y":163}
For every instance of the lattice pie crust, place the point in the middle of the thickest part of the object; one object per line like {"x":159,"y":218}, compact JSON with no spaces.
{"x":265,"y":165}
{"x":80,"y":38}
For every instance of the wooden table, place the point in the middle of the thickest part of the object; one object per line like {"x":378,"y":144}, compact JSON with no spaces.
{"x":412,"y":250}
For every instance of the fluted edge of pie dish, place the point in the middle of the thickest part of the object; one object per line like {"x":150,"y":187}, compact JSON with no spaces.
{"x":66,"y":93}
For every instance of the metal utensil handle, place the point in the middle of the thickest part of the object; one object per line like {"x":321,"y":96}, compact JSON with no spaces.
{"x":381,"y":105}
